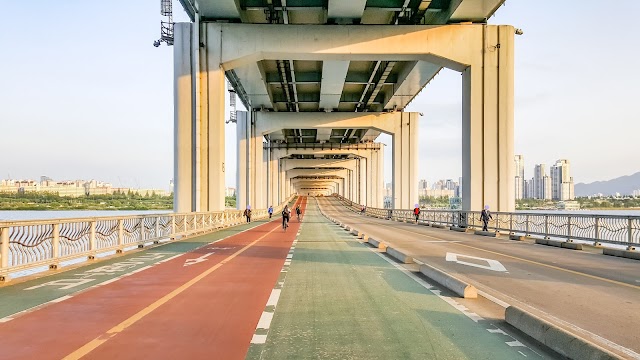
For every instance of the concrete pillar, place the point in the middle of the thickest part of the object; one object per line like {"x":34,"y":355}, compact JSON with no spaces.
{"x":212,"y":109}
{"x":380,"y":185}
{"x":487,"y":125}
{"x":242,"y":180}
{"x":183,"y":119}
{"x":405,"y":161}
{"x":272,"y":186}
{"x":363,"y":180}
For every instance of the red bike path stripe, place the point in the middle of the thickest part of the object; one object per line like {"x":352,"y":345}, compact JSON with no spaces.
{"x":59,"y":329}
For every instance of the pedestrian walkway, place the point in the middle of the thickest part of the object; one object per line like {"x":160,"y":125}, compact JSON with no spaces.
{"x":342,"y":300}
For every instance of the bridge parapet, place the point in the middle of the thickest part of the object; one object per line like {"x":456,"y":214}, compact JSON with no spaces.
{"x":598,"y":229}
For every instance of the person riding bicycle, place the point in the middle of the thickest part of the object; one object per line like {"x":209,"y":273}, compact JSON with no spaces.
{"x":285,"y":216}
{"x":298,"y":212}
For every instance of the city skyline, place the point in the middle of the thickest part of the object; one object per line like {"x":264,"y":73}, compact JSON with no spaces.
{"x":104,"y":109}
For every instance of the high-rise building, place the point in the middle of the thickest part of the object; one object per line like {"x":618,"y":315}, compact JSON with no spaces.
{"x":562,"y":182}
{"x":519,"y":177}
{"x":539,"y":172}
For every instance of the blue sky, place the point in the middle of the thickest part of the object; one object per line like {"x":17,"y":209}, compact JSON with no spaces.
{"x":85,"y":94}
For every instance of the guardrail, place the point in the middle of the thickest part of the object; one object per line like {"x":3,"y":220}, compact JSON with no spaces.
{"x":612,"y":229}
{"x":27,"y":245}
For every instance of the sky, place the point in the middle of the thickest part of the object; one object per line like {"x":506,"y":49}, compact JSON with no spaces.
{"x":84,"y":94}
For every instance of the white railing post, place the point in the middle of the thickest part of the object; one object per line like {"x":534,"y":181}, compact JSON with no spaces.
{"x":4,"y":247}
{"x":92,"y":240}
{"x":629,"y":231}
{"x":141,"y":233}
{"x":511,"y":223}
{"x":597,"y":232}
{"x":173,"y":226}
{"x":184,"y":223}
{"x":526,"y":225}
{"x":120,"y":236}
{"x":55,"y":247}
{"x":546,"y":225}
{"x":158,"y":228}
{"x":569,"y":227}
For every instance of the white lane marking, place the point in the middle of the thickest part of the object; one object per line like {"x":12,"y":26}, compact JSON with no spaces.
{"x":200,"y":259}
{"x":289,"y":256}
{"x":497,"y":331}
{"x":6,"y":319}
{"x":515,"y":343}
{"x":521,"y":353}
{"x":258,"y":339}
{"x":169,"y":258}
{"x":493,"y":265}
{"x":265,"y":320}
{"x":274,"y":297}
{"x":61,"y":299}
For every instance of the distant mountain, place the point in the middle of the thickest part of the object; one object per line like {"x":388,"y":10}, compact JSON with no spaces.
{"x":623,"y":185}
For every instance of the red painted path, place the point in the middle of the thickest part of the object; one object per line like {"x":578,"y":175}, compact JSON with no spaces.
{"x":208,"y":310}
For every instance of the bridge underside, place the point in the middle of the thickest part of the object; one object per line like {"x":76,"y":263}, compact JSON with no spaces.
{"x":321,"y":83}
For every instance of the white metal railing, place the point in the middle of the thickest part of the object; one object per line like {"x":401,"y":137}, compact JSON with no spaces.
{"x":26,"y":245}
{"x":613,"y":229}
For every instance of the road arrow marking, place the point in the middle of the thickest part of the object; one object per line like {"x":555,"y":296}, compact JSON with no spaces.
{"x":493,"y":265}
{"x":202,"y":258}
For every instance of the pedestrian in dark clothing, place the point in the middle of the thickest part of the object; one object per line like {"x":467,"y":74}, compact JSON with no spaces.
{"x":416,"y":212}
{"x":485,"y":216}
{"x":270,"y":211}
{"x":247,"y":213}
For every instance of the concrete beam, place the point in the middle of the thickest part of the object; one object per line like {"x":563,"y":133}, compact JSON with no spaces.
{"x":333,"y":76}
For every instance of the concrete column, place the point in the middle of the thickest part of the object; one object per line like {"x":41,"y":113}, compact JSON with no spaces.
{"x":183,"y":116}
{"x":405,"y":161}
{"x":273,"y":198}
{"x":257,"y":169}
{"x":487,"y":125}
{"x":212,"y":110}
{"x":242,"y":185}
{"x":363,"y":181}
{"x":379,"y":190}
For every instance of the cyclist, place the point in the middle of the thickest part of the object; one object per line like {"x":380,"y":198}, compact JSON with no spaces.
{"x":298,"y":212}
{"x":285,"y":217}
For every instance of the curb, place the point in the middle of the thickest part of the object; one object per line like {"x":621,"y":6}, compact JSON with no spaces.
{"x":399,"y":255}
{"x":377,"y":244}
{"x":556,"y":338}
{"x":629,"y":254}
{"x":458,"y":286}
{"x":485,"y":233}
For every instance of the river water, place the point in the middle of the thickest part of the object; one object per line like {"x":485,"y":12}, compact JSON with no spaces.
{"x":17,"y":215}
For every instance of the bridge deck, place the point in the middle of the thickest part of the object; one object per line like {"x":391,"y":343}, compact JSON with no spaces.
{"x":585,"y":292}
{"x":257,"y":294}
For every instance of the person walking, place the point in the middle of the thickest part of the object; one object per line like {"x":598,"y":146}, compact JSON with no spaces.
{"x":485,"y":216}
{"x":247,"y":213}
{"x":270,"y":211}
{"x":285,"y":217}
{"x":298,"y":212}
{"x":416,"y":212}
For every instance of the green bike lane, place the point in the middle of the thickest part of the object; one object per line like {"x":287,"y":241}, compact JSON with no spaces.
{"x":51,"y":287}
{"x":341,"y":300}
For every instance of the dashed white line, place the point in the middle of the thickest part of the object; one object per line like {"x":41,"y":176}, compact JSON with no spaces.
{"x":258,"y":339}
{"x":274,"y":297}
{"x":265,"y":320}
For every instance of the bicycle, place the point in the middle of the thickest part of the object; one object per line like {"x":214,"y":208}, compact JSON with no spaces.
{"x":285,"y":223}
